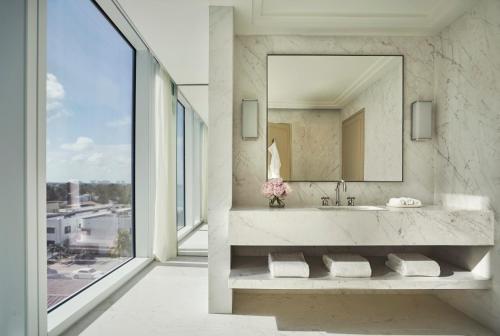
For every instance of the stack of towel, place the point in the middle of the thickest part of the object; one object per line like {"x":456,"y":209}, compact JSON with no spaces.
{"x":404,"y":202}
{"x":288,"y":265}
{"x":347,"y":265}
{"x":413,"y":264}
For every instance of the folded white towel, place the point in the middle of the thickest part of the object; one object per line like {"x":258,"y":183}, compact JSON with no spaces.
{"x":404,"y":201}
{"x":347,"y":265}
{"x":413,"y":264}
{"x":292,"y":265}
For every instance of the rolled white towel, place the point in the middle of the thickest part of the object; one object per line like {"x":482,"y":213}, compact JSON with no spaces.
{"x":347,"y":265}
{"x":288,"y":265}
{"x":413,"y":264}
{"x":404,"y":201}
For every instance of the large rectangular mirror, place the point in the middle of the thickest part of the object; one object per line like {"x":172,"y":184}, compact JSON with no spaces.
{"x":333,"y":117}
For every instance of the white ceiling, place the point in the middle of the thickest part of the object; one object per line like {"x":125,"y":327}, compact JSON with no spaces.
{"x":322,"y":82}
{"x":344,"y":17}
{"x":177,"y":30}
{"x":197,"y":96}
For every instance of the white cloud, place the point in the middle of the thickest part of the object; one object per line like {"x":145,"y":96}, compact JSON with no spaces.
{"x":81,"y":144}
{"x":78,"y":157}
{"x":95,"y":157}
{"x":55,"y":98}
{"x":97,"y":162}
{"x":122,"y":122}
{"x":55,"y":90}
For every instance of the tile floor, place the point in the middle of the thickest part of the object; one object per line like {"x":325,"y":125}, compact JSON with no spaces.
{"x":171,"y":299}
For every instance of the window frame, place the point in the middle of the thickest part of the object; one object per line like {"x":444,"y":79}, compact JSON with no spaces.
{"x":190,"y":170}
{"x":39,"y":321}
{"x":178,"y":102}
{"x":132,"y":163}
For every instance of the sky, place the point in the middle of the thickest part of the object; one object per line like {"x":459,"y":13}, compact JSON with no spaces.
{"x":90,"y":73}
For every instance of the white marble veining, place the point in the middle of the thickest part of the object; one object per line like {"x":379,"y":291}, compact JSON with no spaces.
{"x":467,"y":159}
{"x":399,"y":227}
{"x":315,"y":138}
{"x":220,"y":155}
{"x":249,"y":157}
{"x":253,"y":273}
{"x":465,"y":78}
{"x":382,"y":102}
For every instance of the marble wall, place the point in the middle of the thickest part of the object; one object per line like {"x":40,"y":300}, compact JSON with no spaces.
{"x":249,"y":157}
{"x":382,"y":102}
{"x":467,"y":157}
{"x":315,"y":138}
{"x":460,"y":69}
{"x":220,"y":101}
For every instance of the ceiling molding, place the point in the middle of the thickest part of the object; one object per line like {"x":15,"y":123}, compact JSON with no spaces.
{"x":303,"y":105}
{"x":338,"y":17}
{"x":373,"y":73}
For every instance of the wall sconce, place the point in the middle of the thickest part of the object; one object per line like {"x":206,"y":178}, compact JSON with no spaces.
{"x":249,"y":119}
{"x":421,"y":120}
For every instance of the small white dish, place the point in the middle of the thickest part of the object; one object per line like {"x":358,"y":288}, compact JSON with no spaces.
{"x":404,"y":206}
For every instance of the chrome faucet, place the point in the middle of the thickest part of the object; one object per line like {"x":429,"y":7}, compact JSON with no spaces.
{"x":337,"y":191}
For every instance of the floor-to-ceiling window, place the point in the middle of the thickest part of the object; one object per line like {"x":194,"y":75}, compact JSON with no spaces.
{"x":181,"y":159}
{"x":189,"y":167}
{"x":193,"y":237}
{"x":90,"y":148}
{"x":197,"y":169}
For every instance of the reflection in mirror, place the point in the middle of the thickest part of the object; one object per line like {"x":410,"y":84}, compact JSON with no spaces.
{"x":336,"y":117}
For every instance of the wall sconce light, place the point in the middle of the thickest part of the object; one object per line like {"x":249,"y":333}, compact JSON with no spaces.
{"x":421,"y":120}
{"x":249,"y":119}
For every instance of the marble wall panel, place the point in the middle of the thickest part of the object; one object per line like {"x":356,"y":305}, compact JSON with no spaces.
{"x":315,"y":137}
{"x":382,"y":103}
{"x":467,"y":157}
{"x":249,"y":157}
{"x":220,"y":101}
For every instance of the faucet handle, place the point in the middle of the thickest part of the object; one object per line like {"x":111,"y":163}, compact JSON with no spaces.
{"x":325,"y":200}
{"x":350,"y":200}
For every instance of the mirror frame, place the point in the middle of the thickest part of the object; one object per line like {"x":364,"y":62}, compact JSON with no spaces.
{"x":355,"y":55}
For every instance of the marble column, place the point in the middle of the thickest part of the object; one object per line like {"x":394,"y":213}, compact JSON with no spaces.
{"x":467,"y":156}
{"x":220,"y":152}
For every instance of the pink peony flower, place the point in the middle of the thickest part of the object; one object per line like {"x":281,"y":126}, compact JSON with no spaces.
{"x":275,"y":188}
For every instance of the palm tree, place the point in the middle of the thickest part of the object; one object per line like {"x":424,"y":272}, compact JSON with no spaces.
{"x":123,"y":244}
{"x":57,"y":249}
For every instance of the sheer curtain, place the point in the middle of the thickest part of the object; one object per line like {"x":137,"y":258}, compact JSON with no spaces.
{"x":165,"y":233}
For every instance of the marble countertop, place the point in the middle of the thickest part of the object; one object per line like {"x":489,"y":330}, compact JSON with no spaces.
{"x":346,"y":208}
{"x":428,"y":225}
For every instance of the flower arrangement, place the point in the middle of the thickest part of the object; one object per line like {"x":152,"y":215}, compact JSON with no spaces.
{"x":275,"y":190}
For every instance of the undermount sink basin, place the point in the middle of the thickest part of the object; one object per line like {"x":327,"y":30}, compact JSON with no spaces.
{"x":352,"y":208}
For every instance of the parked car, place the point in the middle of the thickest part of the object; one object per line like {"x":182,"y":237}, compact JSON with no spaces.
{"x":53,"y":274}
{"x":86,"y":273}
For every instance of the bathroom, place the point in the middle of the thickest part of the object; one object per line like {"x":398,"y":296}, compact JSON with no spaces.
{"x":455,"y":169}
{"x":250,"y":167}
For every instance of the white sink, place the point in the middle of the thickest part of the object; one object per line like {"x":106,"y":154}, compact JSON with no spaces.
{"x":352,"y":208}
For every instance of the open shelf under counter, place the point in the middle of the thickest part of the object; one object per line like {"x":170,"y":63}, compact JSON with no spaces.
{"x":253,"y":273}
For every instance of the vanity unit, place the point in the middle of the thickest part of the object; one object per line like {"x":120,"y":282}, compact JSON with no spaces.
{"x":458,"y":239}
{"x":336,"y":118}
